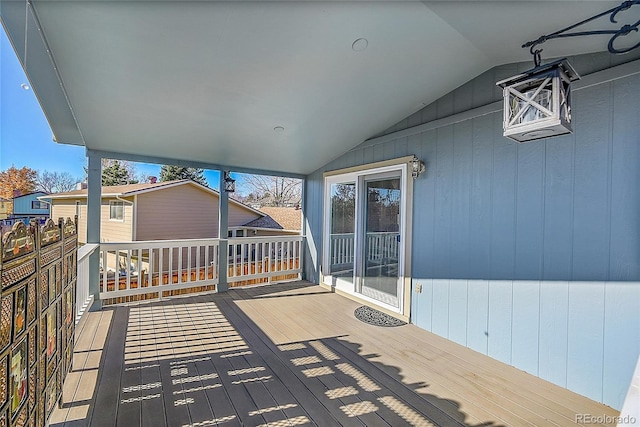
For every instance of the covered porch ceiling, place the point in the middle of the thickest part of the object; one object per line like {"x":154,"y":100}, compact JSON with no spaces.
{"x":213,"y":82}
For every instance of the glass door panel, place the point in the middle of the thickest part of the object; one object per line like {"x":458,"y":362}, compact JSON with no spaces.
{"x":380,"y":258}
{"x":342,"y":231}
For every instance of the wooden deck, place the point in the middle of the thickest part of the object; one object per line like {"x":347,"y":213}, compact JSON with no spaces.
{"x":286,"y":355}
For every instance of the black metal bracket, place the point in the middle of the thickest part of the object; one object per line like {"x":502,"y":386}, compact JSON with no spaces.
{"x":622,"y":31}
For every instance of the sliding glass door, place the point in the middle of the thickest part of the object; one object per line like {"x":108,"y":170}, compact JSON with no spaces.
{"x":342,"y":226}
{"x":380,"y":249}
{"x":365,"y":219}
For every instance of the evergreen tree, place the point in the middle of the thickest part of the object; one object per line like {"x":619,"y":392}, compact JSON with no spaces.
{"x":116,"y":174}
{"x":172,"y":173}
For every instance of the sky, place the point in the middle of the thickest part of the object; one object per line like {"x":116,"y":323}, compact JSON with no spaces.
{"x":26,"y":138}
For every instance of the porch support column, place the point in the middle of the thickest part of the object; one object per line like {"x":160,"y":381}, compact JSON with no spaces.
{"x":303,"y":228}
{"x":223,"y":233}
{"x":94,"y":189}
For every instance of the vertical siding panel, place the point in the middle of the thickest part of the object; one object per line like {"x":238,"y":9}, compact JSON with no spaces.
{"x":440,"y":310}
{"x":625,"y":197}
{"x":558,"y":203}
{"x":444,"y":105}
{"x":477,"y":315}
{"x":526,"y":318}
{"x":367,"y":155}
{"x":354,"y":158}
{"x":500,"y":307}
{"x":378,"y":152}
{"x":485,"y":90}
{"x":389,"y":150}
{"x":415,"y":119}
{"x":424,"y":189}
{"x":414,"y":147}
{"x":430,"y":112}
{"x":463,"y":97}
{"x":529,"y":211}
{"x":554,"y":302}
{"x":503,"y":229}
{"x":458,"y":311}
{"x":443,"y":206}
{"x":481,"y":183}
{"x":424,"y":305}
{"x":621,"y":339}
{"x":460,"y":199}
{"x":591,"y":230}
{"x":586,"y":337}
{"x":401,"y":148}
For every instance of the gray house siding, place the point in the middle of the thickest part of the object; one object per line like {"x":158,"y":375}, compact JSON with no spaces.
{"x":529,"y":253}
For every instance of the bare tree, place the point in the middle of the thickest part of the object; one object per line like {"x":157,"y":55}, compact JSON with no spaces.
{"x":55,"y":182}
{"x":273,"y":190}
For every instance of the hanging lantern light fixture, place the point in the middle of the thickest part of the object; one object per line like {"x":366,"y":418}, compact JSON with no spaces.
{"x":537,"y":103}
{"x":229,"y":183}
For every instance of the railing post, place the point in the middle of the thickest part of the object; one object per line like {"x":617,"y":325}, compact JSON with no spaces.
{"x":94,"y":189}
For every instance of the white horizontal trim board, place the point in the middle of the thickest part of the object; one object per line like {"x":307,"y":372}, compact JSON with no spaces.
{"x":580,"y":335}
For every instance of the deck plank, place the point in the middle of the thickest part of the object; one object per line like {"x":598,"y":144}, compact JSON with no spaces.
{"x":290,"y":354}
{"x":105,"y":407}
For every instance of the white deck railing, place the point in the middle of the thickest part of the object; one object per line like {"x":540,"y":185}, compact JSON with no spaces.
{"x":83,"y":298}
{"x":380,"y":247}
{"x":135,"y":271}
{"x":265,"y":259}
{"x":157,"y":269}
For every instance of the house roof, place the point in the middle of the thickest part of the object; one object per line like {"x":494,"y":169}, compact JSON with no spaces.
{"x":40,"y":193}
{"x":288,"y":218}
{"x":264,"y":222}
{"x":135,"y":189}
{"x":273,"y":86}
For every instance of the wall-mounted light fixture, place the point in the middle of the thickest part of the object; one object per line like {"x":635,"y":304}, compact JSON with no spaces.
{"x":417,"y":167}
{"x":537,"y":103}
{"x":229,"y":183}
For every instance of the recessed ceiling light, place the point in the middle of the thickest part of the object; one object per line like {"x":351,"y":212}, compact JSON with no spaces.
{"x":24,"y":86}
{"x":360,"y":44}
{"x":278,"y":129}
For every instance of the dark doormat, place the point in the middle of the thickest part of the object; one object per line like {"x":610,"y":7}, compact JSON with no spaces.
{"x":374,"y":317}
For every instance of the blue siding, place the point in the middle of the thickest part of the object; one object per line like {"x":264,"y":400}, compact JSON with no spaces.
{"x":586,"y":337}
{"x":554,"y":318}
{"x":22,"y":205}
{"x":625,"y":152}
{"x":591,"y":185}
{"x":558,"y":208}
{"x":526,"y":325}
{"x":529,"y":211}
{"x":458,"y":300}
{"x":529,"y":253}
{"x":619,"y":347}
{"x":499,"y":320}
{"x":503,"y":204}
{"x":478,"y":315}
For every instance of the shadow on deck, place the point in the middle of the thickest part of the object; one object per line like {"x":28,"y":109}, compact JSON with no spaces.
{"x":287,"y":355}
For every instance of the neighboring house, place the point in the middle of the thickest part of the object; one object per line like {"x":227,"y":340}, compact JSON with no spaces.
{"x":290,"y":218}
{"x":276,"y":221}
{"x":30,"y":206}
{"x":5,"y":208}
{"x":155,"y":211}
